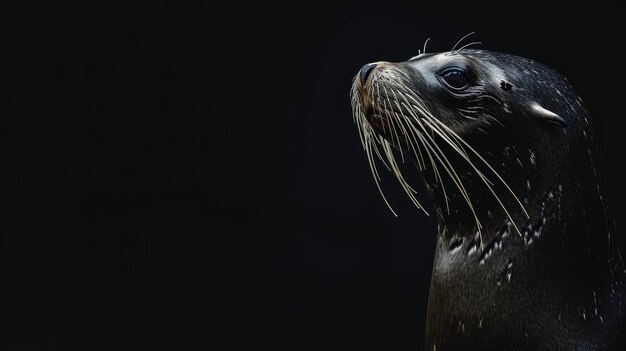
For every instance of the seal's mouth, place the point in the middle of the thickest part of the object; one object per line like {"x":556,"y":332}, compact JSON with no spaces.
{"x":382,"y":125}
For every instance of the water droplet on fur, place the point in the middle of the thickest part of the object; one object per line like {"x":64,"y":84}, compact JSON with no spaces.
{"x":472,"y":250}
{"x":509,"y":270}
{"x":532,"y":158}
{"x":455,"y":244}
{"x":528,"y":185}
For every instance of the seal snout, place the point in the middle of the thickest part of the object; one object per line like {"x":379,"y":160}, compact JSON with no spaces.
{"x":365,"y":72}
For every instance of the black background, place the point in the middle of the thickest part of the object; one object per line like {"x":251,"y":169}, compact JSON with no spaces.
{"x":182,"y":175}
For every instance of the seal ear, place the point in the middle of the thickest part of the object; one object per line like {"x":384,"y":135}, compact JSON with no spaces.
{"x":547,"y":115}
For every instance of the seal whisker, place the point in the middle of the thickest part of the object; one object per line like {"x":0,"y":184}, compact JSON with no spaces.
{"x":425,"y":112}
{"x":374,"y":145}
{"x":441,"y":133}
{"x":470,"y":44}
{"x":434,"y":165}
{"x":460,"y":40}
{"x":479,"y":173}
{"x":391,"y":159}
{"x":388,"y":151}
{"x":379,"y":154}
{"x":425,"y":43}
{"x":450,"y":171}
{"x":399,"y":108}
{"x":362,"y":128}
{"x":454,"y":176}
{"x":443,"y":160}
{"x":418,"y":153}
{"x":393,"y":128}
{"x":447,"y":131}
{"x":376,"y":180}
{"x":485,"y":180}
{"x":390,"y":156}
{"x":414,"y":114}
{"x":429,"y":117}
{"x":403,"y":183}
{"x":438,"y":178}
{"x":377,"y":99}
{"x":373,"y":142}
{"x":453,"y":133}
{"x":410,"y":138}
{"x":391,"y":121}
{"x":408,"y":122}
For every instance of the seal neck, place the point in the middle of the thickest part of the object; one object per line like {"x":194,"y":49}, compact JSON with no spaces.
{"x":561,"y":265}
{"x":553,"y":201}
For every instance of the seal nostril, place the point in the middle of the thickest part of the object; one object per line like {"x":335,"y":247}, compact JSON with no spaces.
{"x":365,"y":71}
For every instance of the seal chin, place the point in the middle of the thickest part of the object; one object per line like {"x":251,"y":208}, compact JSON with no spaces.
{"x":376,"y":121}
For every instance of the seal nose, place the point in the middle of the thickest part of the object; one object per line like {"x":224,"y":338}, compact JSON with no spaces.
{"x":365,"y":72}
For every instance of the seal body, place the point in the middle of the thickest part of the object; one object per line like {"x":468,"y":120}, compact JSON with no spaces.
{"x":524,"y":257}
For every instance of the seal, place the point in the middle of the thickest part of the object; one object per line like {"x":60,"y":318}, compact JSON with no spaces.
{"x":525,"y":257}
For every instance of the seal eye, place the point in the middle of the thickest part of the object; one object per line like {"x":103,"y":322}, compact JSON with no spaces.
{"x":455,"y":78}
